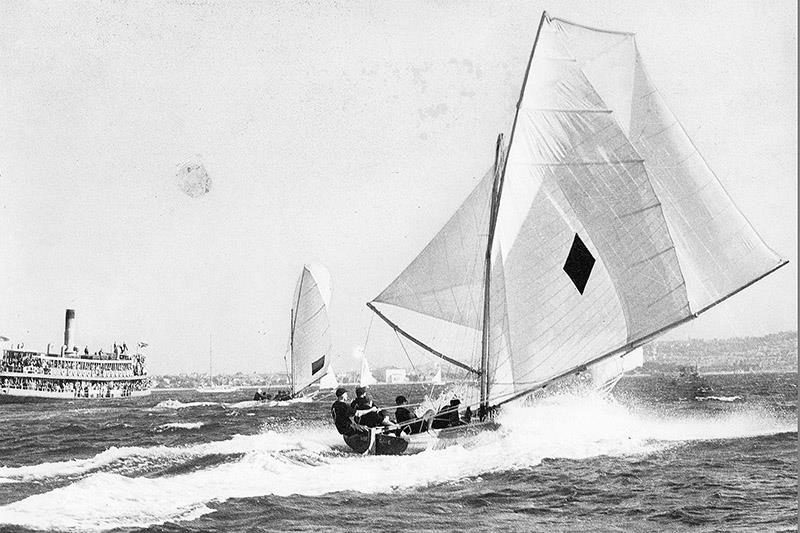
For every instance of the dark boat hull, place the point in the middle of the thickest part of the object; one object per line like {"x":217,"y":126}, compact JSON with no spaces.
{"x":377,"y":444}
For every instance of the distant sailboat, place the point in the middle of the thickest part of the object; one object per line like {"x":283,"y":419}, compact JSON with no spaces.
{"x":309,"y":333}
{"x":598,"y":229}
{"x":211,"y":388}
{"x":438,"y":379}
{"x":365,"y":379}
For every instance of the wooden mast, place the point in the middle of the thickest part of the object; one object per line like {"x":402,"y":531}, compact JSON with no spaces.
{"x":487,"y":282}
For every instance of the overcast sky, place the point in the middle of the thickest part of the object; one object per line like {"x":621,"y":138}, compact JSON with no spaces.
{"x":339,"y":134}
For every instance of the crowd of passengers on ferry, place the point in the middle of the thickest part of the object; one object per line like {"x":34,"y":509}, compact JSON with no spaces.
{"x":79,"y":389}
{"x":72,"y":366}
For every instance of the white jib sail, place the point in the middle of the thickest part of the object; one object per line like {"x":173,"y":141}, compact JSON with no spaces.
{"x":366,"y":378}
{"x":611,"y":229}
{"x":329,"y":381}
{"x":310,"y":341}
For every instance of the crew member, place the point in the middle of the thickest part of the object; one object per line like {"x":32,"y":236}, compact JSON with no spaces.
{"x":448,"y":416}
{"x":402,"y":414}
{"x":341,"y":413}
{"x":366,"y":411}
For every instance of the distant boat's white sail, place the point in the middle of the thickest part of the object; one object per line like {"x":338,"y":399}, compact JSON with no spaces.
{"x":329,"y":380}
{"x":366,"y":378}
{"x":438,"y":379}
{"x":310,"y":341}
{"x":610,"y":228}
{"x":606,"y":373}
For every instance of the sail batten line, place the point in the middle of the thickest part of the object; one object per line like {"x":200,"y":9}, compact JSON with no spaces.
{"x":581,"y":163}
{"x":421,"y":344}
{"x":567,"y":110}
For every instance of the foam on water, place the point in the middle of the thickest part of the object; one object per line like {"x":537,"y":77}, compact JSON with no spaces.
{"x":308,"y":462}
{"x":718,"y":398}
{"x":175,"y":404}
{"x":180,"y":425}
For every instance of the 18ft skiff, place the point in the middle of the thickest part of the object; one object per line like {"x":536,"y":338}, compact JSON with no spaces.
{"x":599,"y":228}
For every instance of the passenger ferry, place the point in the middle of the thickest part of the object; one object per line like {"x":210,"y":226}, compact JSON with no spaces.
{"x":27,"y":375}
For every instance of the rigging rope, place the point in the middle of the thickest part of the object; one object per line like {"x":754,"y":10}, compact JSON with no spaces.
{"x":404,"y":350}
{"x":369,"y":328}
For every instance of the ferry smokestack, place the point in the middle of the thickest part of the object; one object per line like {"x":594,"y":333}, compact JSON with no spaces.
{"x":69,"y":319}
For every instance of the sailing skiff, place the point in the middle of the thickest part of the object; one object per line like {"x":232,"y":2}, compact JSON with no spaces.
{"x":599,"y":228}
{"x":309,"y":332}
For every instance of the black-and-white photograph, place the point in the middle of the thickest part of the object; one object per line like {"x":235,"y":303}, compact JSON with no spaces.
{"x":424,"y":266}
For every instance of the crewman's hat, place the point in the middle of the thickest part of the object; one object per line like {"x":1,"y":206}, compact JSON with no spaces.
{"x":340,"y":391}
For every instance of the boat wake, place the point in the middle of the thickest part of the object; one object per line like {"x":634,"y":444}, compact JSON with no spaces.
{"x":717,"y":398}
{"x":180,"y":425}
{"x":175,"y":404}
{"x":142,"y":486}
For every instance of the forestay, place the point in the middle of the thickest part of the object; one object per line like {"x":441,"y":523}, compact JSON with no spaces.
{"x":310,"y":341}
{"x":611,"y":228}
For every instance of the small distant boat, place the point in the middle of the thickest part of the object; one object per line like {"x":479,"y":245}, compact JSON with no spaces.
{"x":309,"y":331}
{"x":598,"y":229}
{"x":27,"y":375}
{"x":688,"y":384}
{"x":211,"y":388}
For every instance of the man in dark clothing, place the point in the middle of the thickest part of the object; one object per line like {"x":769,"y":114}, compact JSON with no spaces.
{"x":448,"y":416}
{"x":282,"y":396}
{"x":402,"y":414}
{"x":341,"y":413}
{"x":366,"y":411}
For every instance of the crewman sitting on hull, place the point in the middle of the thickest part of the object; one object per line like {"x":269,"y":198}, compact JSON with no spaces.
{"x":282,"y":396}
{"x":408,"y":421}
{"x":342,"y":415}
{"x":448,"y":416}
{"x":366,"y":412}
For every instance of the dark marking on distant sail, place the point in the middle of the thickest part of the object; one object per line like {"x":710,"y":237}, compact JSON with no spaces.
{"x":579,"y":264}
{"x":317,"y":365}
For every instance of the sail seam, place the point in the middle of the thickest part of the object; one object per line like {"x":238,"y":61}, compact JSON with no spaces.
{"x":632,"y":345}
{"x":566,"y":110}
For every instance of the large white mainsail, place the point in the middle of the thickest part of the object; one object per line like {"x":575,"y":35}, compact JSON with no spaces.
{"x":310,"y":338}
{"x":604,"y":226}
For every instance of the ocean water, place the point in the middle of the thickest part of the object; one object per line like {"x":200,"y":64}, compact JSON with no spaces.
{"x":648,"y":458}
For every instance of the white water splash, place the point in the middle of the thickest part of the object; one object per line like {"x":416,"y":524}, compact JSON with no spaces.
{"x":175,"y":404}
{"x":718,"y":398}
{"x":306,"y":462}
{"x":181,"y":425}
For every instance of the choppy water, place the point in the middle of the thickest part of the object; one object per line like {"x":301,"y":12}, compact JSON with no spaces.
{"x":644,"y":460}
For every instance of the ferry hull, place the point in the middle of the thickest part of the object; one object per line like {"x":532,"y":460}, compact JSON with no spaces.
{"x":8,"y":395}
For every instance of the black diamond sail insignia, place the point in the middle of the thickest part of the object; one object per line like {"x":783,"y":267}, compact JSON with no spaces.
{"x":610,"y":229}
{"x":579,"y":264}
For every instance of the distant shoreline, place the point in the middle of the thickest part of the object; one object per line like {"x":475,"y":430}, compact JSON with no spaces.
{"x":636,"y":375}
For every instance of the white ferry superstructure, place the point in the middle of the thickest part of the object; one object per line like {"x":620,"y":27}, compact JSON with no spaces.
{"x":29,"y":375}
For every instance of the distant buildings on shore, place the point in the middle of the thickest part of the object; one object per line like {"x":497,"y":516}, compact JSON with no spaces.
{"x":776,"y":352}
